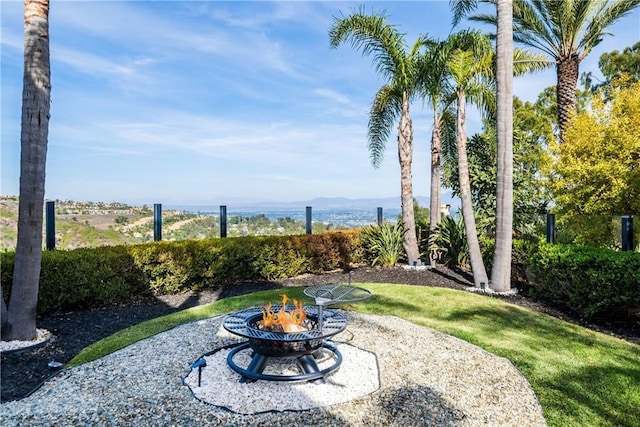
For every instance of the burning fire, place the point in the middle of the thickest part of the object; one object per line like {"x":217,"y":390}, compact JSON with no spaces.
{"x":283,"y":320}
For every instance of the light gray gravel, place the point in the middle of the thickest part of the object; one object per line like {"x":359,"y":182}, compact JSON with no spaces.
{"x":425,"y":378}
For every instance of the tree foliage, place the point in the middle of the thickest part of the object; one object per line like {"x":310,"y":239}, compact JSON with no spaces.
{"x":376,"y":37}
{"x":597,"y":170}
{"x":613,"y":64}
{"x":532,"y":134}
{"x":564,"y":30}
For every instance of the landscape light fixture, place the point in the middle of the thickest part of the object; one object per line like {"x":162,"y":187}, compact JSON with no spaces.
{"x":200,"y":363}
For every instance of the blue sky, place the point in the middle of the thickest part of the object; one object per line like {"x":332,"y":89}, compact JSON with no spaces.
{"x":211,"y":102}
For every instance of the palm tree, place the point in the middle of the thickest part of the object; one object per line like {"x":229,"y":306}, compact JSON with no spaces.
{"x":482,"y":93}
{"x":434,"y":86}
{"x":470,"y":65}
{"x":501,"y":267}
{"x":565,"y":30}
{"x":374,"y":36}
{"x":36,"y":94}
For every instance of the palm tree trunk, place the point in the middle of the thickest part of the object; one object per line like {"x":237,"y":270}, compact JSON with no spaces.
{"x":36,"y":95}
{"x":405,"y":154}
{"x":567,"y":70}
{"x":501,"y":269}
{"x":436,"y":152}
{"x":434,"y":199}
{"x":475,"y":255}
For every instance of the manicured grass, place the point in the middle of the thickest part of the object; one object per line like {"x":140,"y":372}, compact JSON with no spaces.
{"x":582,"y":377}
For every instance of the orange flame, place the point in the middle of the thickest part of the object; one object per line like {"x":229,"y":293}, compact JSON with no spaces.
{"x":288,"y":321}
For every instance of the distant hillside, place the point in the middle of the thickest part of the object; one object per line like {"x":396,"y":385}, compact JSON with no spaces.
{"x":91,"y":224}
{"x":88,"y":224}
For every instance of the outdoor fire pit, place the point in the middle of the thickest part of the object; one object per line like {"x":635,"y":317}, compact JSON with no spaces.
{"x":303,"y":345}
{"x":292,"y":331}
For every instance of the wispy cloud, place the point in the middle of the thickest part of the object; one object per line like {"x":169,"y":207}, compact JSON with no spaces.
{"x":193,"y":99}
{"x":332,"y":95}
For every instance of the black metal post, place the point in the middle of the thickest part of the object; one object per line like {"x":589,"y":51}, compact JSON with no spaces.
{"x":551,"y":228}
{"x":223,"y":221}
{"x":380,"y":217}
{"x":51,"y":225}
{"x":627,"y":233}
{"x":309,"y":227}
{"x":157,"y":222}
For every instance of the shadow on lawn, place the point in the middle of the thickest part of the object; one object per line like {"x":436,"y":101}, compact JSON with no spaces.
{"x":588,"y":371}
{"x":567,"y":394}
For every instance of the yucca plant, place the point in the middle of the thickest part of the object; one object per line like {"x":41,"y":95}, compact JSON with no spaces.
{"x":451,"y":240}
{"x":384,"y":243}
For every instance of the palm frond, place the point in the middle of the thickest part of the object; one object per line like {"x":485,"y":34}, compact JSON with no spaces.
{"x":448,"y":135}
{"x":485,"y":18}
{"x":532,"y":26}
{"x":525,"y":61}
{"x":373,"y":36}
{"x":432,"y":74}
{"x":386,"y":107}
{"x":461,"y":9}
{"x":471,"y":56}
{"x":606,"y":15}
{"x":482,"y":93}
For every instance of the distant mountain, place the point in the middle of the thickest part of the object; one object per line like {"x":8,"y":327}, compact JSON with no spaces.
{"x":317,"y":203}
{"x":336,"y":203}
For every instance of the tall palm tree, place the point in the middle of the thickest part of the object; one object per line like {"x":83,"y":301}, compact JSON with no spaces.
{"x":565,"y":30}
{"x":482,"y":93}
{"x":433,"y":80}
{"x":470,"y":65}
{"x":20,"y":319}
{"x":501,"y":267}
{"x":374,"y":36}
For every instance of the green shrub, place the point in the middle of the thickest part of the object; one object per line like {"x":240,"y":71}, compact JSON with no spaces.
{"x":279,"y":258}
{"x":592,"y":281}
{"x":83,"y":278}
{"x":93,"y":277}
{"x":384,"y":243}
{"x":451,"y":240}
{"x":522,"y":252}
{"x":330,"y":251}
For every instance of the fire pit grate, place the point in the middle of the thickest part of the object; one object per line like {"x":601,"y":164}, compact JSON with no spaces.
{"x":333,"y":294}
{"x":242,"y":323}
{"x":303,"y":345}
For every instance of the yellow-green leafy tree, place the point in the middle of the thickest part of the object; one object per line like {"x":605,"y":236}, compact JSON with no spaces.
{"x":597,"y":169}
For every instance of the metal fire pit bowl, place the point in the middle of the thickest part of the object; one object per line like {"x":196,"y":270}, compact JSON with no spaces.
{"x":300,"y":345}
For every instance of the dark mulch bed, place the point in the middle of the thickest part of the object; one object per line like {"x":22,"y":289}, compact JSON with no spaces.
{"x":22,"y":372}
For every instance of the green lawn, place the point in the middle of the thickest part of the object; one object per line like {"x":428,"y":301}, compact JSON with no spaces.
{"x":582,"y":377}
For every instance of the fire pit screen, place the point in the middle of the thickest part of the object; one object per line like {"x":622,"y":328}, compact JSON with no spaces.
{"x":302,"y":337}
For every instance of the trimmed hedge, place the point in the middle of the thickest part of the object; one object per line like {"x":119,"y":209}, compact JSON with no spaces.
{"x":592,"y":281}
{"x":93,"y":277}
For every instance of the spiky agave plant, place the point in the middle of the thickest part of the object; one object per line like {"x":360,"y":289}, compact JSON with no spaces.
{"x":451,"y":239}
{"x":384,"y":242}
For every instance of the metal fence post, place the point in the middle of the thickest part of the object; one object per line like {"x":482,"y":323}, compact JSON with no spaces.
{"x":223,"y":221}
{"x":51,"y":225}
{"x":380,"y":217}
{"x":627,"y":233}
{"x":157,"y":222}
{"x":309,"y":227}
{"x":551,"y":228}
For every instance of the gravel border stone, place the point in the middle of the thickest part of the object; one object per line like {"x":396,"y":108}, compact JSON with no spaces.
{"x":426,"y":378}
